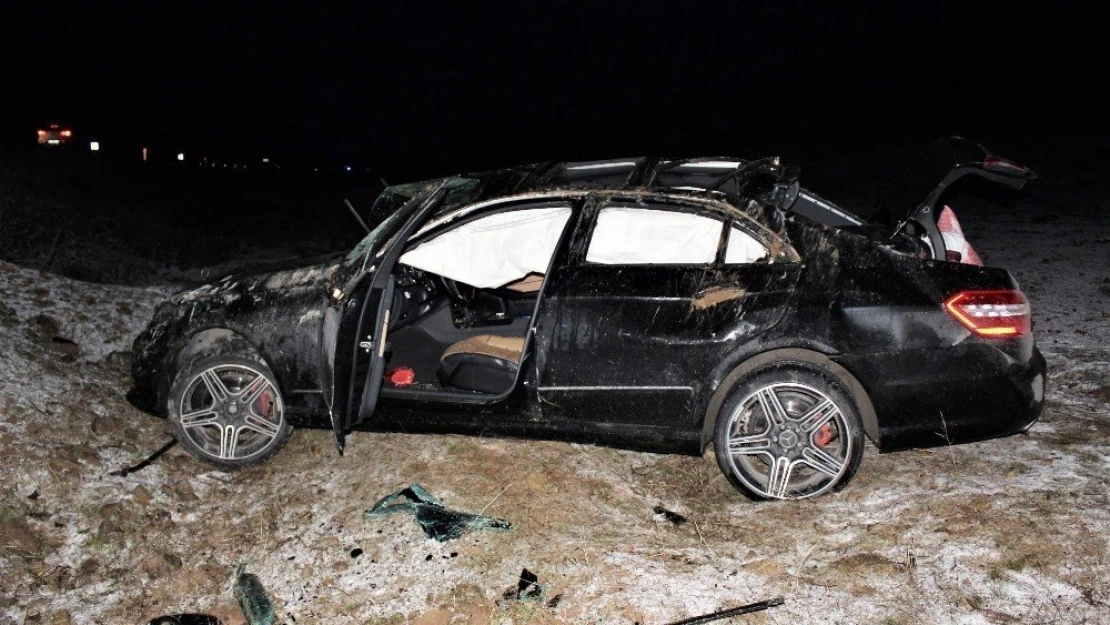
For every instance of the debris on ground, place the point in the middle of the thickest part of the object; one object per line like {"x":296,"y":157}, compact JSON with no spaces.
{"x":185,"y":619}
{"x":437,"y":520}
{"x":662,"y":514}
{"x":731,"y":612}
{"x":145,"y":463}
{"x":528,"y":588}
{"x":252,"y":598}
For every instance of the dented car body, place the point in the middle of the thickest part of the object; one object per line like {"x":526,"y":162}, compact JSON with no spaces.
{"x":653,"y":304}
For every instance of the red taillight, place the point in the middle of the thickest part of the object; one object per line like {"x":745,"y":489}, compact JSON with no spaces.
{"x":992,"y":314}
{"x":994,"y":163}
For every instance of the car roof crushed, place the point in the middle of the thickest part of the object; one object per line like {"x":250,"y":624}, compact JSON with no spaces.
{"x":701,"y":174}
{"x":735,"y":187}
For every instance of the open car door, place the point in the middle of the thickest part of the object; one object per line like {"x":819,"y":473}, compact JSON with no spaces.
{"x":364,"y":322}
{"x":912,"y":203}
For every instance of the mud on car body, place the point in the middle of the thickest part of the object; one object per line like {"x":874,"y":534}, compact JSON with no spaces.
{"x":653,"y":304}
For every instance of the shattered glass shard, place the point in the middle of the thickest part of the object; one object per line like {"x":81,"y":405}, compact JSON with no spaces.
{"x":438,"y":521}
{"x":252,"y":598}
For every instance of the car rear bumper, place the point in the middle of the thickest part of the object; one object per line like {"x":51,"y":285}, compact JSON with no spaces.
{"x":971,"y":392}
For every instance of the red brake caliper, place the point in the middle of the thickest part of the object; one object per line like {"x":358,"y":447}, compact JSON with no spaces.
{"x":823,"y":435}
{"x":265,"y":403}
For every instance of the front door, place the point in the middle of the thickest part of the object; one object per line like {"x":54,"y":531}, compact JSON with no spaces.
{"x":364,"y":323}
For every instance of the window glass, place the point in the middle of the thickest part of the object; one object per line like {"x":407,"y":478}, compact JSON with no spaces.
{"x":743,"y":248}
{"x":493,"y":250}
{"x":642,"y":236}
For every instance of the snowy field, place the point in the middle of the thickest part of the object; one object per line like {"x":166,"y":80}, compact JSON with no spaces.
{"x":1015,"y":530}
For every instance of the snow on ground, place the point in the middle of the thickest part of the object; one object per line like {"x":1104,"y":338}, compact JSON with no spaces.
{"x":1015,"y":530}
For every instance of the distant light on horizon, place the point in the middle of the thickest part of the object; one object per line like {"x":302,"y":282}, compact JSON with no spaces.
{"x":180,"y":156}
{"x":348,"y":168}
{"x":94,"y":146}
{"x":265,"y":160}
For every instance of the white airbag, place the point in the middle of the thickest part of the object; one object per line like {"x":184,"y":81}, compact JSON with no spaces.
{"x":641,"y":236}
{"x":742,"y":248}
{"x":494,"y":250}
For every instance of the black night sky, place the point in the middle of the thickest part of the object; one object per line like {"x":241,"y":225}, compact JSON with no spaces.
{"x":419,"y":89}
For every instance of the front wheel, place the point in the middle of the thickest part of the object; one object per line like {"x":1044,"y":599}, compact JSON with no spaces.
{"x":788,"y":431}
{"x":227,"y":411}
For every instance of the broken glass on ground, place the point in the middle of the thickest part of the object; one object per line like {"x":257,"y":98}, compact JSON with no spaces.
{"x":437,"y":520}
{"x":252,"y":598}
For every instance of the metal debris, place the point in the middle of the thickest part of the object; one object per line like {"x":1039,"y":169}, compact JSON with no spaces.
{"x":185,"y":619}
{"x":437,"y":521}
{"x":673,"y":517}
{"x":527,"y":587}
{"x":723,"y":614}
{"x":145,"y":463}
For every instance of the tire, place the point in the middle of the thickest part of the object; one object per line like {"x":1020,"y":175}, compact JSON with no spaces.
{"x":812,"y":445}
{"x":227,"y":410}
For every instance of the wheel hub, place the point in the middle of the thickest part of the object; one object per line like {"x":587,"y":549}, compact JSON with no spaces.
{"x":788,"y":439}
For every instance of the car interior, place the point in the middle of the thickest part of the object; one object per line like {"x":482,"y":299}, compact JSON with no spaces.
{"x":468,"y":288}
{"x":466,"y":293}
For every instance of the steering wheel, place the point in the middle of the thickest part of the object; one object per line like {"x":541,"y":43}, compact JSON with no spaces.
{"x":455,"y":290}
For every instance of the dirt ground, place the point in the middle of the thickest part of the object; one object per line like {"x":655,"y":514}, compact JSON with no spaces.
{"x":1015,"y":530}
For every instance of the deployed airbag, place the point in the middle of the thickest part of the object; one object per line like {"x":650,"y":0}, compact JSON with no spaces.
{"x":494,"y":250}
{"x":743,"y":248}
{"x":640,"y":236}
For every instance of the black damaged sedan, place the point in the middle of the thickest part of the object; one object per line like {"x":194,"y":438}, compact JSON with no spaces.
{"x":653,"y":304}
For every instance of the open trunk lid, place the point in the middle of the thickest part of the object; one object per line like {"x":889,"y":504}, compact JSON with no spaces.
{"x":914,"y":199}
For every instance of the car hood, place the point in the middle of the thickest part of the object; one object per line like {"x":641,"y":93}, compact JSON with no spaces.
{"x":269,"y":279}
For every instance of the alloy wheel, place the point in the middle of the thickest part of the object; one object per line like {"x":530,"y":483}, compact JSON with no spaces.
{"x":231,"y":412}
{"x":789,"y":440}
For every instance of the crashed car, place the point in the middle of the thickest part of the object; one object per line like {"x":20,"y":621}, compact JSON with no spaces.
{"x":654,"y":304}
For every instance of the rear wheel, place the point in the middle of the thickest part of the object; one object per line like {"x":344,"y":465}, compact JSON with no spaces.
{"x":227,"y":411}
{"x":788,"y":431}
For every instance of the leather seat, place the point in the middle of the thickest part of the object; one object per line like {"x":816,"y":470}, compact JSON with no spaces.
{"x":484,"y":363}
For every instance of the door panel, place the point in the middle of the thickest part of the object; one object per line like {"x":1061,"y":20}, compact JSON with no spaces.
{"x":633,"y":345}
{"x":363,"y":327}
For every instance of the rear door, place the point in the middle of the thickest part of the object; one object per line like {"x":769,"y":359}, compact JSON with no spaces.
{"x":650,"y":300}
{"x":912,"y":202}
{"x":360,"y":346}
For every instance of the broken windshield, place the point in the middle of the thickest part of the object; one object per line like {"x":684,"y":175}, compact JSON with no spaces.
{"x":370,"y":241}
{"x":386,"y":212}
